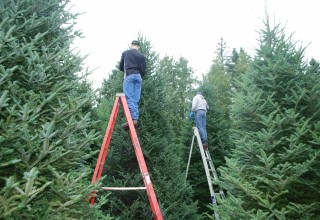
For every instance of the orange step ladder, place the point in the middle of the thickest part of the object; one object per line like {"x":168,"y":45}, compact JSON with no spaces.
{"x":120,"y":98}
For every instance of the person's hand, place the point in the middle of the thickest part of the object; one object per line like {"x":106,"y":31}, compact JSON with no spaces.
{"x":191,"y":116}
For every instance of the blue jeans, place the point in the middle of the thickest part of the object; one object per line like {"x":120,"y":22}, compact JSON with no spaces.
{"x":200,"y":119}
{"x":132,"y":90}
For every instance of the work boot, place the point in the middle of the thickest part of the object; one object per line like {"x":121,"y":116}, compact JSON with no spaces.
{"x":125,"y":126}
{"x":205,"y":146}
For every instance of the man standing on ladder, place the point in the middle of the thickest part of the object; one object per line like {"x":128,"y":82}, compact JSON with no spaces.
{"x":200,"y":107}
{"x":133,"y":64}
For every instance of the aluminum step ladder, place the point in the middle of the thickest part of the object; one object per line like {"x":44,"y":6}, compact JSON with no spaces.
{"x":209,"y":170}
{"x":121,"y":99}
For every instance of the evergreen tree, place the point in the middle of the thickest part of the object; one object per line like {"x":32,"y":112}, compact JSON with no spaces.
{"x":274,"y":168}
{"x":162,"y":156}
{"x":239,"y":65}
{"x":45,"y":123}
{"x":178,"y":88}
{"x":215,"y":86}
{"x":221,"y":51}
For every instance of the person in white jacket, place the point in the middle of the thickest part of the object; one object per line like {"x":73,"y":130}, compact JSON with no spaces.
{"x":200,"y":107}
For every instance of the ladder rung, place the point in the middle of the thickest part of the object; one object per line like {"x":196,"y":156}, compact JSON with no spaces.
{"x":123,"y":188}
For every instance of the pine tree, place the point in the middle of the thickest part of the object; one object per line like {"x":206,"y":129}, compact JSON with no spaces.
{"x":45,"y":123}
{"x":239,"y":65}
{"x":221,"y":51}
{"x":163,"y":157}
{"x":178,"y":91}
{"x":271,"y":172}
{"x":215,"y":86}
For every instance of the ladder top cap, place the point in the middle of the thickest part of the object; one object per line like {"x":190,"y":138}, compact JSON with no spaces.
{"x":120,"y":94}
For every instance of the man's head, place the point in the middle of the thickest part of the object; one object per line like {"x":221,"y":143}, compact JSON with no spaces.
{"x":135,"y":44}
{"x":199,"y":93}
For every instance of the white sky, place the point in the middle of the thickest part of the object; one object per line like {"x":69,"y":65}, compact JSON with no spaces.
{"x":188,"y":28}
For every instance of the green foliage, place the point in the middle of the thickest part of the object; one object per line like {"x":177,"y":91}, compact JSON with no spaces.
{"x":111,"y":86}
{"x":45,"y":123}
{"x":216,"y":89}
{"x":162,"y":154}
{"x":173,"y":192}
{"x":238,"y":66}
{"x":265,"y":137}
{"x":274,"y":168}
{"x":178,"y":91}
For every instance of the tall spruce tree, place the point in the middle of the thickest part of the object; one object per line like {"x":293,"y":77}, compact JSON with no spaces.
{"x":274,"y":169}
{"x":239,"y":64}
{"x":215,"y":86}
{"x":162,"y":155}
{"x":178,"y":91}
{"x":45,"y":126}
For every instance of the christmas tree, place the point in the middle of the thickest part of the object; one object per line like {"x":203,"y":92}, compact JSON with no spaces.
{"x":274,"y":170}
{"x":45,"y":123}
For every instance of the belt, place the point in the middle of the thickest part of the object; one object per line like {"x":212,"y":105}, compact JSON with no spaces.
{"x":127,"y":74}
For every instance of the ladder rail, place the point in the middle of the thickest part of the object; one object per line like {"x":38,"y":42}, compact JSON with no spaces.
{"x":214,"y":173}
{"x":142,"y":164}
{"x":105,"y":146}
{"x":191,"y":147}
{"x":107,"y":143}
{"x":205,"y":164}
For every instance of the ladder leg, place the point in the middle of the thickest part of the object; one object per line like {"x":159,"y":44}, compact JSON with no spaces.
{"x":190,"y":156}
{"x":105,"y":146}
{"x":142,"y":164}
{"x":205,"y":164}
{"x":214,"y":173}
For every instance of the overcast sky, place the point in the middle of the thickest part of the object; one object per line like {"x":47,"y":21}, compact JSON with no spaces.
{"x":188,"y":28}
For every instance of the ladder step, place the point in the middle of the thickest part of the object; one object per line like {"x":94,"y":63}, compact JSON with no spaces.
{"x":213,"y":170}
{"x":123,"y":188}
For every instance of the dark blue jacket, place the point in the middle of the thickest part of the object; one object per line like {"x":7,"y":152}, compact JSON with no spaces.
{"x":133,"y":62}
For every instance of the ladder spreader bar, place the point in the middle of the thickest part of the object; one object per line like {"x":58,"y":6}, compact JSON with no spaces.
{"x":123,"y":188}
